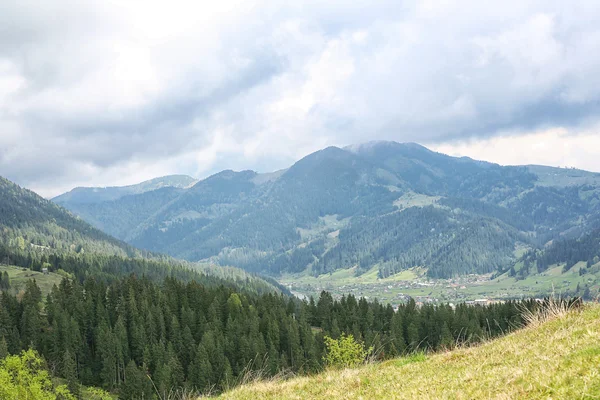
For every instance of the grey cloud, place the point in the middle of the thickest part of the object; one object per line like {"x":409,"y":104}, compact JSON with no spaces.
{"x":90,"y":94}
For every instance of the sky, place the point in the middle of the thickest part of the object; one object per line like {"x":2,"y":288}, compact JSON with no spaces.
{"x":100,"y":93}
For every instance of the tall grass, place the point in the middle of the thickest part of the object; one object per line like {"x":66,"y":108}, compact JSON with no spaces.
{"x":548,"y":309}
{"x":252,"y":373}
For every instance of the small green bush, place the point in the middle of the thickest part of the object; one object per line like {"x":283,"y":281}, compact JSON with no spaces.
{"x":345,"y":352}
{"x":26,"y":377}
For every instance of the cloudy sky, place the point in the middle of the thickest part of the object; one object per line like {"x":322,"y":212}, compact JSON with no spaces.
{"x":110,"y":93}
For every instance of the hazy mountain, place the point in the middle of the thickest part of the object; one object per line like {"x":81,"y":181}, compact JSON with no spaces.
{"x":382,"y":204}
{"x":88,"y":195}
{"x":94,"y":204}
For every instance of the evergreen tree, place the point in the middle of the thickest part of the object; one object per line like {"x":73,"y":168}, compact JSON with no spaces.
{"x":204,"y":337}
{"x":3,"y":348}
{"x":397,"y":333}
{"x":107,"y":355}
{"x":69,"y":372}
{"x":137,"y":386}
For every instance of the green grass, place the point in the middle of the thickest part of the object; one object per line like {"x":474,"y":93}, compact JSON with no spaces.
{"x":348,"y":277}
{"x":558,"y":359}
{"x":563,"y":177}
{"x":414,"y":283}
{"x":328,"y":223}
{"x":19,"y":276}
{"x":412,"y":199}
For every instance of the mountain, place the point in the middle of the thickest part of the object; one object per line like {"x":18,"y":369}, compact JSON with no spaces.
{"x":36,"y":233}
{"x":381,"y":205}
{"x":86,"y":195}
{"x":28,"y":221}
{"x":94,"y":204}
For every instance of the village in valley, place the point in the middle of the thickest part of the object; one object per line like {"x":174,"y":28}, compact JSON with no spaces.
{"x":414,"y":283}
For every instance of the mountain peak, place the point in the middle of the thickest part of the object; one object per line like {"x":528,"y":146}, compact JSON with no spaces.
{"x":320,"y":159}
{"x":379,"y":145}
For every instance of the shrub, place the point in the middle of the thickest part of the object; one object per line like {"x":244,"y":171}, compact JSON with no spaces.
{"x":25,"y":377}
{"x":345,"y":352}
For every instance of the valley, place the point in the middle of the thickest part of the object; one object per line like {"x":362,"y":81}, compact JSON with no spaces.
{"x":376,"y":259}
{"x":359,"y":219}
{"x":414,"y":283}
{"x":299,"y":200}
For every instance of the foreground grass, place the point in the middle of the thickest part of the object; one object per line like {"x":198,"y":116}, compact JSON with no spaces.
{"x":559,"y":359}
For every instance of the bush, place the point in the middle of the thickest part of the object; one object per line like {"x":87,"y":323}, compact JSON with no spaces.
{"x":345,"y":352}
{"x":25,"y":377}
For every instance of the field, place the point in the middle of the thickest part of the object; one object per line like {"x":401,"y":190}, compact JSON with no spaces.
{"x":19,"y":276}
{"x":555,"y":360}
{"x":414,"y":283}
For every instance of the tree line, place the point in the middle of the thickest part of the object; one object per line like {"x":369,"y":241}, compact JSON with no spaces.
{"x":113,"y":267}
{"x":186,"y":334}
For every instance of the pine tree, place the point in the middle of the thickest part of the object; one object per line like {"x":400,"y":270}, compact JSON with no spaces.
{"x":446,"y":339}
{"x":177,"y":374}
{"x":107,"y":351}
{"x":200,"y":370}
{"x":413,"y":336}
{"x":3,"y":348}
{"x":4,"y":281}
{"x":69,"y":372}
{"x":586,"y":294}
{"x":136,"y":385}
{"x":397,"y":332}
{"x":121,"y":348}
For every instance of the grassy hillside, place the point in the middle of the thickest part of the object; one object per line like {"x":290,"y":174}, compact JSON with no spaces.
{"x":558,"y":359}
{"x":19,"y":277}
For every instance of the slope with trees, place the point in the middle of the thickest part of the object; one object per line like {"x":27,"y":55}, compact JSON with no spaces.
{"x":36,"y":233}
{"x":353,"y":203}
{"x":208,"y":337}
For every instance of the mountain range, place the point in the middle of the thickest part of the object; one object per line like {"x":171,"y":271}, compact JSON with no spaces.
{"x":381,"y":205}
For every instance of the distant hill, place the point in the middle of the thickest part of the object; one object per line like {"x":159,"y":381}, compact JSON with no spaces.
{"x":383,"y":205}
{"x":86,"y":195}
{"x":95,"y":204}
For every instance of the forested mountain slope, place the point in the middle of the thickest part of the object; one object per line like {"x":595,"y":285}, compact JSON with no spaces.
{"x":381,"y":205}
{"x":95,"y":204}
{"x":578,"y":256}
{"x":36,"y":233}
{"x":27,"y":221}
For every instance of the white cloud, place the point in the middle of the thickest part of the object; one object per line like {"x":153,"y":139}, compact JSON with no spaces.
{"x":114,"y":92}
{"x":555,"y":147}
